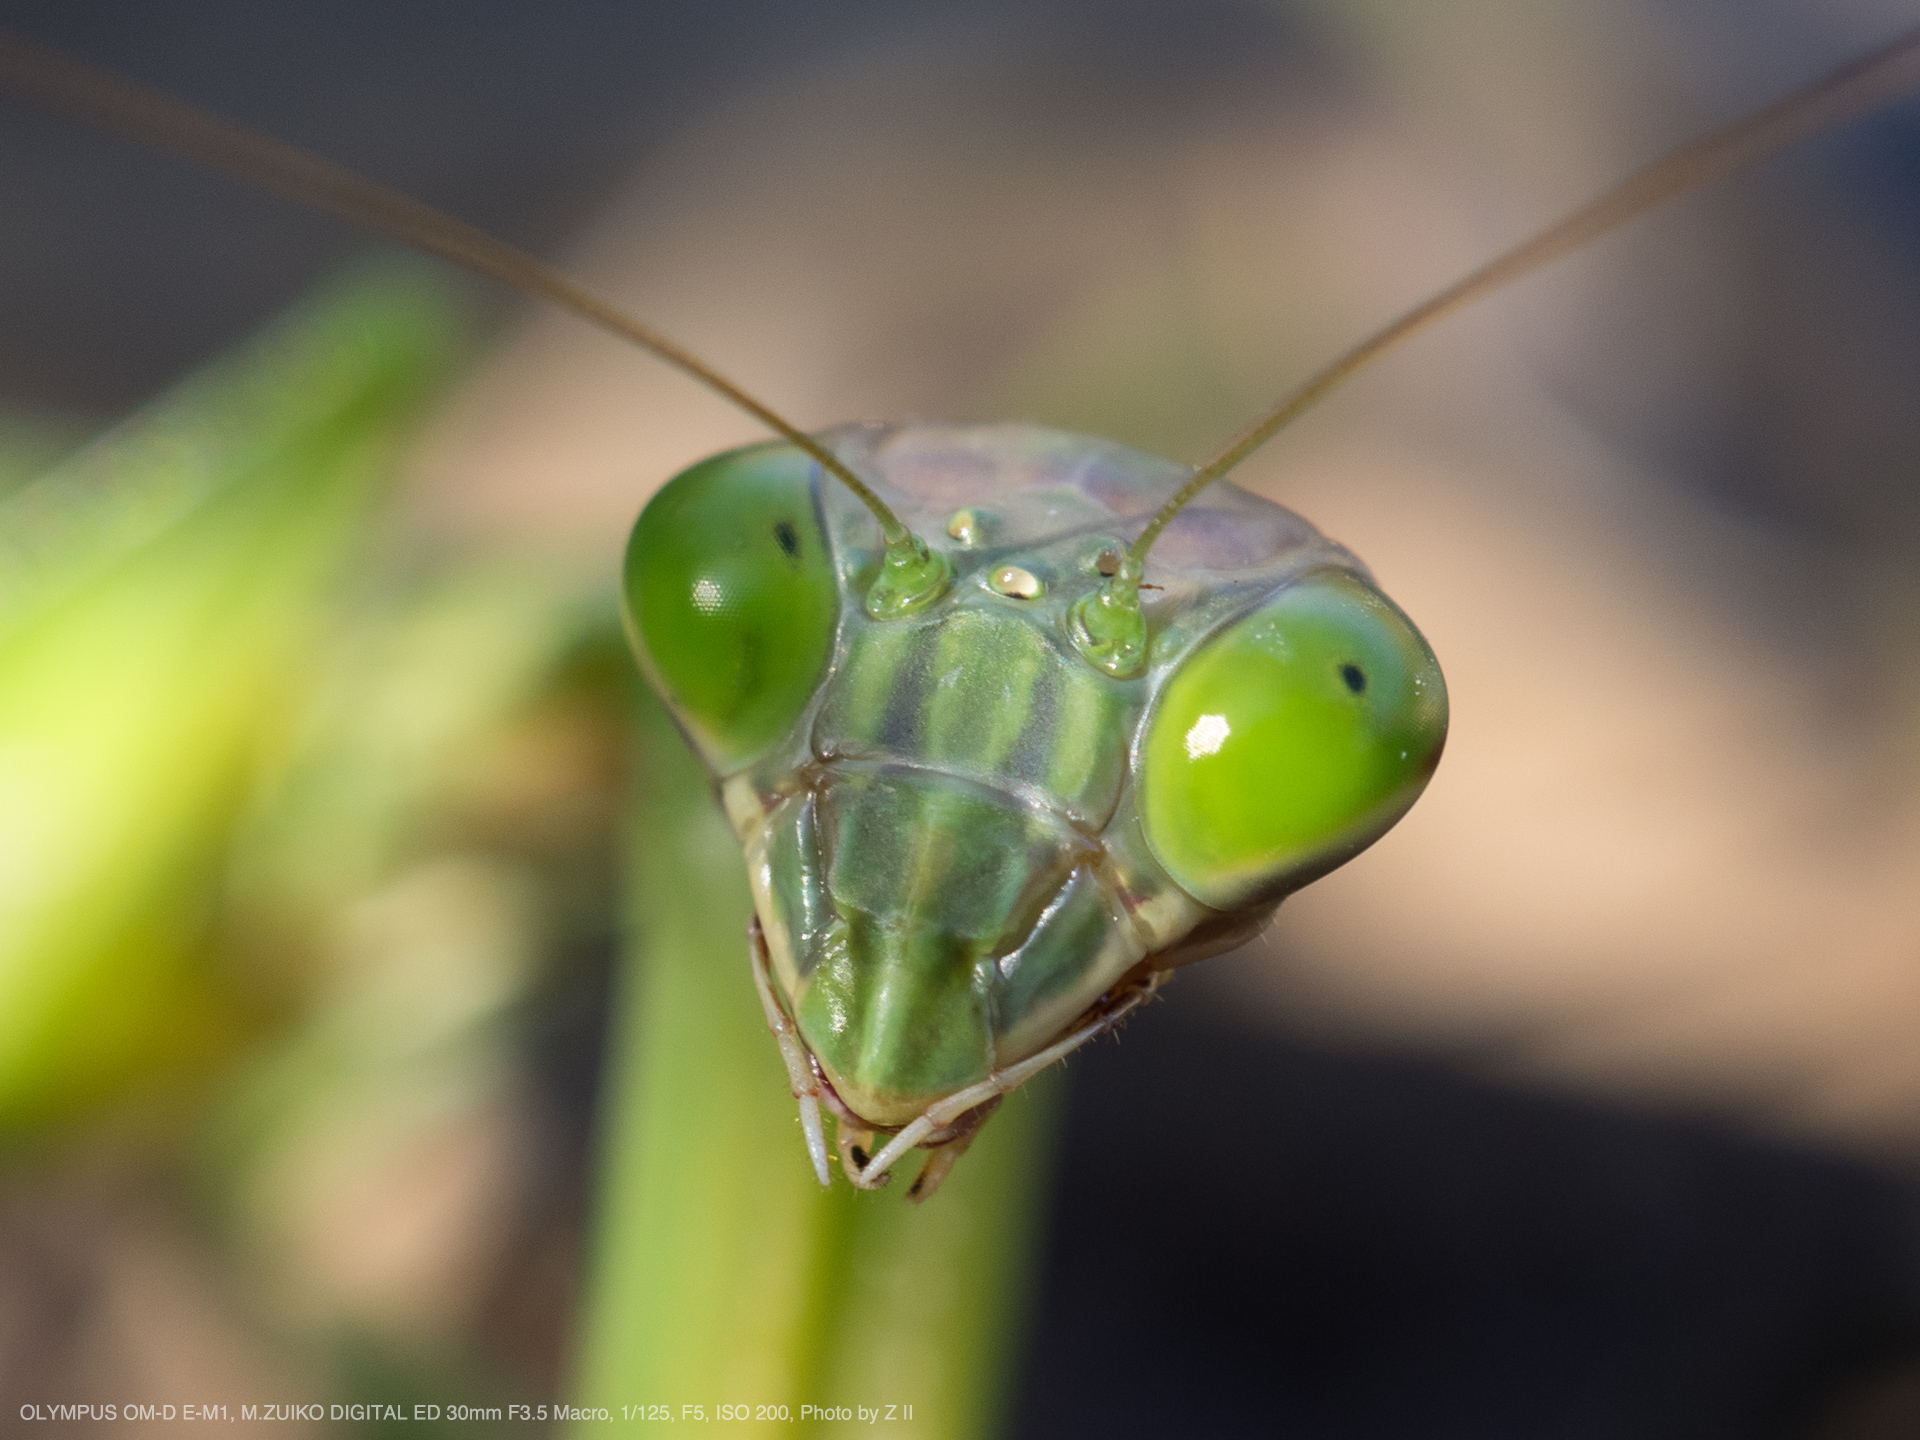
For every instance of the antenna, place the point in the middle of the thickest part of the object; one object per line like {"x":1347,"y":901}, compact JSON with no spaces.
{"x":912,"y":576}
{"x":1107,"y":626}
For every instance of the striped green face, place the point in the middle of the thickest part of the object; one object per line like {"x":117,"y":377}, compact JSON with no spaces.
{"x":960,"y":834}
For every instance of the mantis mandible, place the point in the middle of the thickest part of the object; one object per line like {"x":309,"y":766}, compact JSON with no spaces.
{"x":1250,"y":710}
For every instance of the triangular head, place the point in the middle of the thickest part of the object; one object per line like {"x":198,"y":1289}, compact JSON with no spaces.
{"x":963,"y":838}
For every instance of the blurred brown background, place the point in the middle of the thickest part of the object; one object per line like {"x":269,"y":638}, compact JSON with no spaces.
{"x":1587,"y":1103}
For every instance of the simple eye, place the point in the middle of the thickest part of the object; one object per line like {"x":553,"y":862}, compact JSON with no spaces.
{"x":1290,"y":741}
{"x":730,"y":599}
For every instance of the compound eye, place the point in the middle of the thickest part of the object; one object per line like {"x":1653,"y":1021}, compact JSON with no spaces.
{"x":731,"y":600}
{"x":1290,"y":741}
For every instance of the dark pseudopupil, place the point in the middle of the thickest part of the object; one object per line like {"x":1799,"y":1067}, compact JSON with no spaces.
{"x":1355,"y":677}
{"x":783,"y":532}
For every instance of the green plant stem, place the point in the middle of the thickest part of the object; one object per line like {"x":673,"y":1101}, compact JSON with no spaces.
{"x":720,"y":1273}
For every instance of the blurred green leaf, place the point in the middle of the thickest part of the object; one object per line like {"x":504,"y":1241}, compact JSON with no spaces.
{"x":401,"y":881}
{"x":161,"y":595}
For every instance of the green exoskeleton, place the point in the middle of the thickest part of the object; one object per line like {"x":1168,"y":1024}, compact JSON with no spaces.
{"x":972,"y":847}
{"x":1010,"y":723}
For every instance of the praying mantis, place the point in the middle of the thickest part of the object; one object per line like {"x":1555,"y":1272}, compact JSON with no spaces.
{"x":780,"y":970}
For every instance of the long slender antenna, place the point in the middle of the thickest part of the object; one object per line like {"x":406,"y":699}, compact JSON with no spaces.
{"x":1854,"y":88}
{"x":912,"y":576}
{"x":1106,"y":625}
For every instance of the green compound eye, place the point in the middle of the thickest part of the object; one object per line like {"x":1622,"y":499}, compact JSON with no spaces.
{"x":1290,"y":741}
{"x":730,"y":599}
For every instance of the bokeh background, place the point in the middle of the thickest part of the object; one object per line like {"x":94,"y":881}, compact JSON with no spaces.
{"x":1586,"y":1104}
